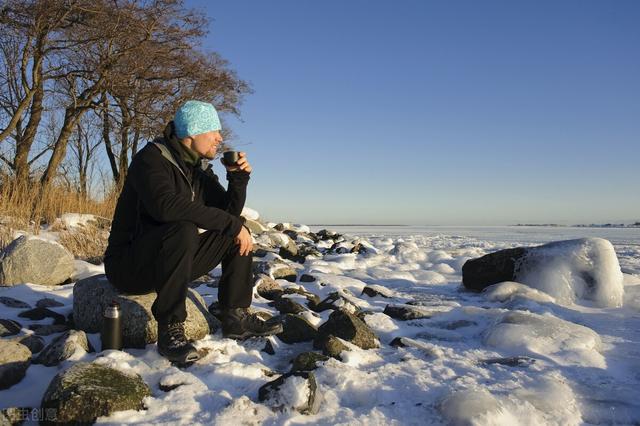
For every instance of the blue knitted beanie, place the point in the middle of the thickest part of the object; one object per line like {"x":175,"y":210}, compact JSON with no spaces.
{"x":194,"y":118}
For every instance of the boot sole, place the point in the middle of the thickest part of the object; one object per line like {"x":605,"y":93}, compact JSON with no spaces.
{"x":189,"y":358}
{"x":248,"y":334}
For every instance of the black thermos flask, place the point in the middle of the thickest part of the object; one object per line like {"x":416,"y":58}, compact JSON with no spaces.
{"x":111,"y":333}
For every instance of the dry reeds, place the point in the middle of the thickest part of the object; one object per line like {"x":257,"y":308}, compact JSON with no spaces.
{"x":85,"y":242}
{"x":26,"y":206}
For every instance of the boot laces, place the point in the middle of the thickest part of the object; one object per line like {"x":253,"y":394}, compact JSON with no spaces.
{"x":175,"y":332}
{"x":254,"y":320}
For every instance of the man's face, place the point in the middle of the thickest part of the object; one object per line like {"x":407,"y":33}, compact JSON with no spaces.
{"x":206,"y":144}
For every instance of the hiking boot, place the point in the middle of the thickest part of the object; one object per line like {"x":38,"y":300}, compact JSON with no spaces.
{"x":173,"y":343}
{"x":238,"y":323}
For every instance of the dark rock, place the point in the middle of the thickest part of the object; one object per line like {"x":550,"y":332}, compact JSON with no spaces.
{"x":268,"y":287}
{"x":271,"y":396}
{"x":14,"y":303}
{"x":285,"y":305}
{"x":398,"y":342}
{"x":37,"y":314}
{"x":306,"y":278}
{"x":359,"y":248}
{"x":291,"y":233}
{"x":339,"y":248}
{"x":70,"y":322}
{"x":296,"y":329}
{"x":269,"y":348}
{"x":405,"y":312}
{"x":279,"y":227}
{"x":325,"y":234}
{"x":169,"y":388}
{"x":347,"y":326}
{"x":312,"y":299}
{"x":308,"y":250}
{"x":215,"y":310}
{"x":62,"y":347}
{"x":284,"y":272}
{"x":376,"y":290}
{"x":87,"y":391}
{"x":33,"y":342}
{"x":48,"y":329}
{"x":306,"y":361}
{"x":331,"y":346}
{"x":48,"y":302}
{"x":516,"y":361}
{"x":327,"y":303}
{"x":362,"y":314}
{"x":493,"y":268}
{"x":14,"y":361}
{"x":9,"y":327}
{"x":260,"y":252}
{"x":285,"y":253}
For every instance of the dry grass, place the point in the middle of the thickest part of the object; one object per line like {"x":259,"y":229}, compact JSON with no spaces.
{"x":26,"y":208}
{"x":87,"y":243}
{"x":6,"y":236}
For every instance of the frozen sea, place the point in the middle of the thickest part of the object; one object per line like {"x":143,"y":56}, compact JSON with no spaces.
{"x":513,"y":356}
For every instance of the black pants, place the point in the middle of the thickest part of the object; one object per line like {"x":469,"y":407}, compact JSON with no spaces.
{"x":167,"y":258}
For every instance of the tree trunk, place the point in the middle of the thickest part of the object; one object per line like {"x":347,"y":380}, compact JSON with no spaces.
{"x":106,"y":136}
{"x":23,"y":146}
{"x":71,"y":117}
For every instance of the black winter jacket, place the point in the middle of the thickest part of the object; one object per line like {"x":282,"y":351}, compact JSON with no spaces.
{"x":157,"y":191}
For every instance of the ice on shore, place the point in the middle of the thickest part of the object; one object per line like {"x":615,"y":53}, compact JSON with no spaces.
{"x":585,"y":268}
{"x":525,"y":333}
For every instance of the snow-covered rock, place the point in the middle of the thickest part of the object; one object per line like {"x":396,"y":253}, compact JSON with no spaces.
{"x":509,"y":290}
{"x":86,"y":391}
{"x":475,"y":407}
{"x":63,"y":347}
{"x":292,"y":391}
{"x":566,"y":343}
{"x":30,"y":259}
{"x":250,"y":213}
{"x":585,"y":268}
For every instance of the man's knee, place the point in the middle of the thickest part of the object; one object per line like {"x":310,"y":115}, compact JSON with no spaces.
{"x":182,"y":234}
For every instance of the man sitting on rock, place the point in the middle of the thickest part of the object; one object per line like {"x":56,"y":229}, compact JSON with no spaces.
{"x":174,"y":222}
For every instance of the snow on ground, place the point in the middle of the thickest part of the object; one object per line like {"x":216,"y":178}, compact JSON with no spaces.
{"x":511,"y":355}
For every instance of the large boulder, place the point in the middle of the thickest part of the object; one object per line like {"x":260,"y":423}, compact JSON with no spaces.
{"x":14,"y":361}
{"x":347,"y":326}
{"x":586,"y":268}
{"x":92,"y":295}
{"x":86,"y":391}
{"x":296,"y":390}
{"x":35,"y":260}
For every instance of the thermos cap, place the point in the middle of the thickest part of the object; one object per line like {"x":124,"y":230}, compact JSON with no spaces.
{"x":113,"y":310}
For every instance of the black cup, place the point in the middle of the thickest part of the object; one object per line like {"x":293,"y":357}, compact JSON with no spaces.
{"x":230,"y":157}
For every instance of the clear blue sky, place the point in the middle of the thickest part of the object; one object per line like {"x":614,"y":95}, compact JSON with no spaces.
{"x":449,"y":112}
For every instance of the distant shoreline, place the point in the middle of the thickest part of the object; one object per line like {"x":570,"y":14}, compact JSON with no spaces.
{"x":544,"y":225}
